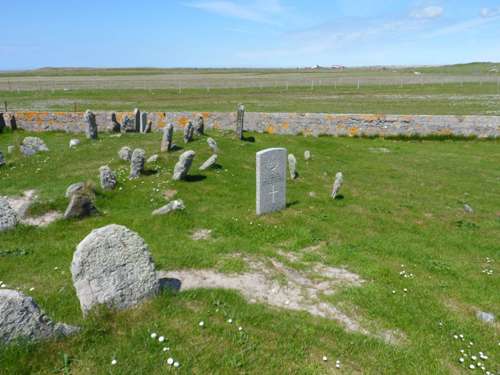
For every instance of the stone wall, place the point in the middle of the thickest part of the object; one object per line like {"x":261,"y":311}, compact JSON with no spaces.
{"x":281,"y":123}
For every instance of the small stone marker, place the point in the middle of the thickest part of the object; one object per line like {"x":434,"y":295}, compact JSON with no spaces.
{"x":137,"y":163}
{"x":8,"y":216}
{"x":271,"y":180}
{"x":209,"y":162}
{"x":166,"y":140}
{"x":240,"y":121}
{"x":176,"y":205}
{"x":137,"y":117}
{"x":292,"y":166}
{"x":307,"y":155}
{"x":152,"y":159}
{"x":32,"y":145}
{"x":213,"y":145}
{"x":80,"y":206}
{"x":11,"y":149}
{"x":127,"y":125}
{"x":13,"y":123}
{"x":339,"y":179}
{"x":91,"y":131}
{"x":200,"y":126}
{"x":107,"y":178}
{"x":2,"y":123}
{"x":144,"y":122}
{"x":73,"y":143}
{"x":125,"y":153}
{"x":116,"y":125}
{"x":183,"y":165}
{"x":22,"y":319}
{"x":188,"y":132}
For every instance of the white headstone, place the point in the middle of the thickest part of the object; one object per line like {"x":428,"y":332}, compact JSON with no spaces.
{"x":271,"y":180}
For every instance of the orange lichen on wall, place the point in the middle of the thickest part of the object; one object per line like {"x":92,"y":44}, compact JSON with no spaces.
{"x":445,"y":131}
{"x":205,"y":115}
{"x":216,"y":125}
{"x":183,"y":121}
{"x":270,"y":129}
{"x":353,"y":131}
{"x":285,"y":125}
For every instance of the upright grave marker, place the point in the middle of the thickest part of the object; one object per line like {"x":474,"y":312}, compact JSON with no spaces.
{"x":271,"y":180}
{"x":240,"y":121}
{"x":144,"y":122}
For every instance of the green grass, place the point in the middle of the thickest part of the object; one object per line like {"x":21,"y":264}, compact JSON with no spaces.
{"x":403,"y":207}
{"x":448,"y":99}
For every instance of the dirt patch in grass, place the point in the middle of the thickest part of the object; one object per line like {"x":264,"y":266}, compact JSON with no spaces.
{"x":21,"y":204}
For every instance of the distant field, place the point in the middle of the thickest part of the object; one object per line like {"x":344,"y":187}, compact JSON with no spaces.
{"x":457,"y":89}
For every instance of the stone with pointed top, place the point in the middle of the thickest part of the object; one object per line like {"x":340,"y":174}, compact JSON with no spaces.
{"x":137,"y":163}
{"x":107,"y":178}
{"x":182,"y":167}
{"x":339,"y":180}
{"x":292,"y":166}
{"x":213,"y":145}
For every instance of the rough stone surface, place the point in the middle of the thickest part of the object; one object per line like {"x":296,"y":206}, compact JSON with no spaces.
{"x":13,"y":122}
{"x":113,"y":266}
{"x":201,"y":234}
{"x":468,"y":209}
{"x":32,"y":145}
{"x":116,"y":127}
{"x":137,"y":117}
{"x":22,"y":319}
{"x":188,"y":132}
{"x":80,"y":205}
{"x":307,"y":155}
{"x":107,"y":178}
{"x":74,"y":188}
{"x":171,"y":206}
{"x":128,"y":125}
{"x":152,"y":159}
{"x":2,"y":123}
{"x":292,"y":166}
{"x":337,"y":184}
{"x":125,"y":153}
{"x":90,"y":119}
{"x":240,"y":120}
{"x":166,"y":140}
{"x":2,"y":159}
{"x":209,"y":162}
{"x":73,"y":143}
{"x":200,"y":126}
{"x":213,"y":145}
{"x":8,"y":216}
{"x":271,"y":180}
{"x":307,"y":124}
{"x":137,"y":163}
{"x":182,"y":167}
{"x":144,"y":122}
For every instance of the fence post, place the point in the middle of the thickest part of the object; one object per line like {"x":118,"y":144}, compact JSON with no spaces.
{"x":5,"y":104}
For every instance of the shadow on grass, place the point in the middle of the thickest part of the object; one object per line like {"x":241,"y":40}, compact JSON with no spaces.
{"x":149,"y":172}
{"x":195,"y":178}
{"x":170,"y":284}
{"x":339,"y":197}
{"x":293,"y":203}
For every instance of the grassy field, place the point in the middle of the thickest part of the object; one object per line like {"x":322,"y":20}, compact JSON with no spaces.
{"x":416,"y":99}
{"x":402,"y":207}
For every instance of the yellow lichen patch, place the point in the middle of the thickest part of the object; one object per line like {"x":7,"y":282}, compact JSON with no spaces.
{"x":270,"y":129}
{"x":445,"y":131}
{"x":216,"y":125}
{"x":183,"y":121}
{"x":285,"y":125}
{"x":353,"y":131}
{"x":205,"y":115}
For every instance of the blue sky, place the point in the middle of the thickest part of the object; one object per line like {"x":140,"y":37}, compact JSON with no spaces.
{"x":234,"y":33}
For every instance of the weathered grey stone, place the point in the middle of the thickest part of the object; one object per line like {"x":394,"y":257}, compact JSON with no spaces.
{"x":240,"y":121}
{"x":13,"y":122}
{"x":149,"y":126}
{"x":339,"y":180}
{"x":125,"y":153}
{"x":2,"y":123}
{"x":144,"y":122}
{"x":116,"y":127}
{"x":2,"y":159}
{"x":307,"y":155}
{"x":8,"y":216}
{"x":271,"y":180}
{"x":200,"y":126}
{"x":166,"y":140}
{"x":292,"y":166}
{"x":209,"y":162}
{"x":468,"y":209}
{"x":182,"y":167}
{"x":485,"y":317}
{"x":11,"y":149}
{"x":73,"y":143}
{"x":137,"y":163}
{"x":128,"y":125}
{"x":22,"y":319}
{"x":77,"y":187}
{"x":91,"y":131}
{"x":152,"y":159}
{"x":213,"y":145}
{"x":80,"y":205}
{"x":137,"y":117}
{"x":32,"y":145}
{"x":107,"y":178}
{"x":188,"y":132}
{"x":171,"y":206}
{"x":113,"y":266}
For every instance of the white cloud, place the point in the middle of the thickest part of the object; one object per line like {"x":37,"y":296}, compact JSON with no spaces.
{"x":429,"y":12}
{"x":490,"y":12}
{"x":259,"y":11}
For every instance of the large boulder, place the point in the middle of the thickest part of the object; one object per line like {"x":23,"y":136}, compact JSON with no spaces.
{"x":81,"y":204}
{"x":8,"y":216}
{"x":32,"y":145}
{"x":22,"y":319}
{"x":113,"y":266}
